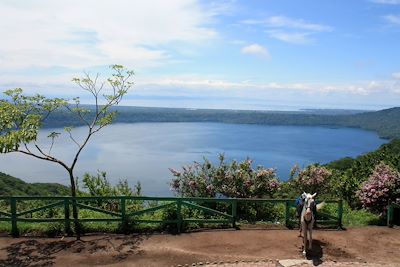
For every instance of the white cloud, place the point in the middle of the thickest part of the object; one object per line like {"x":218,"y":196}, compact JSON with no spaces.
{"x":389,"y":2}
{"x":393,"y":19}
{"x":199,"y":83}
{"x":79,"y":34}
{"x":396,"y":76}
{"x":285,"y":22}
{"x":290,"y":37}
{"x":256,"y":49}
{"x":290,"y":23}
{"x":291,"y":30}
{"x":200,"y":91}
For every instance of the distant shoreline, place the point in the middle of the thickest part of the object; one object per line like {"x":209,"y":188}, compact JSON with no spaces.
{"x":386,"y":123}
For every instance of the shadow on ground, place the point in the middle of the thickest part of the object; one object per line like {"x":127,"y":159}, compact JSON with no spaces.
{"x":36,"y":252}
{"x":330,"y":251}
{"x":316,"y":253}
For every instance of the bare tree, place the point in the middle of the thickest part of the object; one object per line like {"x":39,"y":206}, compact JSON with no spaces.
{"x":21,"y":118}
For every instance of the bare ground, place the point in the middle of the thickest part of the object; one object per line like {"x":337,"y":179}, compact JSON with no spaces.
{"x":356,"y":245}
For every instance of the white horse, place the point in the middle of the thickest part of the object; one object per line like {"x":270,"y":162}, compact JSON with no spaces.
{"x":307,"y":219}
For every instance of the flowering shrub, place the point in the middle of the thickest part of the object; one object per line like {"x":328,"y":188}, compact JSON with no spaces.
{"x":313,"y":178}
{"x":235,"y":179}
{"x":382,"y":186}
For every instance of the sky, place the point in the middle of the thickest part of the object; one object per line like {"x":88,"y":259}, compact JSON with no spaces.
{"x":264,"y":55}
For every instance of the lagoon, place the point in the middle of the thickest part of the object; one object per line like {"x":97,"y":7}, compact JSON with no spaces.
{"x":144,"y":151}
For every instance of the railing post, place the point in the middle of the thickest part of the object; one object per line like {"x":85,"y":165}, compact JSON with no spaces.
{"x":14,"y":228}
{"x":234,"y":212}
{"x":287,"y":213}
{"x":76,"y":220}
{"x":179,"y":215}
{"x":123,"y":215}
{"x":67,"y":222}
{"x":390,"y":215}
{"x":340,"y":214}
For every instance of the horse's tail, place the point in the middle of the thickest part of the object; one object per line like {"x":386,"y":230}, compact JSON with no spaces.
{"x":320,"y":205}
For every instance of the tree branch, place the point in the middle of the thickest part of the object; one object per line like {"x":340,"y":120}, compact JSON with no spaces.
{"x":51,"y":146}
{"x":72,"y":138}
{"x":79,"y":114}
{"x":41,"y":152}
{"x":52,"y":159}
{"x":80,"y":149}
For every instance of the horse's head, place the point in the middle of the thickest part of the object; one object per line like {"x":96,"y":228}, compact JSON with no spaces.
{"x":309,"y":204}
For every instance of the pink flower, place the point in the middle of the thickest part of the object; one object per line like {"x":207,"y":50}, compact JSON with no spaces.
{"x":382,"y":183}
{"x":210,"y":188}
{"x":174,"y":172}
{"x":175,"y":184}
{"x":192,"y":184}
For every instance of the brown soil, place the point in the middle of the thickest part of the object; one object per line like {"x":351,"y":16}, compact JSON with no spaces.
{"x":369,"y":244}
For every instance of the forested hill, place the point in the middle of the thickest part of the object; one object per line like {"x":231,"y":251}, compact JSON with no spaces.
{"x":11,"y":186}
{"x":350,"y":173}
{"x":385,"y":122}
{"x":363,"y":165}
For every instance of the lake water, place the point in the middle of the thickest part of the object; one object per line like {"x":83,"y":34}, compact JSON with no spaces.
{"x":144,"y":151}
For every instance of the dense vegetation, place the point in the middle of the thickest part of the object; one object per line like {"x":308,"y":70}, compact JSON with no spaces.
{"x":233,"y":180}
{"x":385,"y":122}
{"x":11,"y":186}
{"x":350,"y":174}
{"x":91,"y":185}
{"x":366,"y":183}
{"x":344,"y":178}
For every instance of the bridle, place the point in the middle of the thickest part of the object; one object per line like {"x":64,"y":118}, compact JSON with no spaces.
{"x":308,"y":205}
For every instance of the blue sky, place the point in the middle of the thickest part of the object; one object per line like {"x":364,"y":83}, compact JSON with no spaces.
{"x":266,"y":54}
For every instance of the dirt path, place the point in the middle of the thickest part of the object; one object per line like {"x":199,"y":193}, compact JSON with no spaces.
{"x":211,"y":248}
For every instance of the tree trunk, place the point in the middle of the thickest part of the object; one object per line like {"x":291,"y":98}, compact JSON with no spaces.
{"x":74,"y":207}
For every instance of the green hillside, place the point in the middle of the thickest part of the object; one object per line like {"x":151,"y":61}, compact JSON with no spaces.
{"x":363,"y":165}
{"x":350,"y":173}
{"x":11,"y":186}
{"x":385,"y":122}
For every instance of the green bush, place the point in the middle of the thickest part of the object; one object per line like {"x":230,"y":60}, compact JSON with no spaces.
{"x":354,"y":217}
{"x":256,"y":212}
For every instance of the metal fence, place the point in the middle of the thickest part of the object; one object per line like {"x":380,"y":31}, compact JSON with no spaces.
{"x":390,"y":213}
{"x":124,"y":209}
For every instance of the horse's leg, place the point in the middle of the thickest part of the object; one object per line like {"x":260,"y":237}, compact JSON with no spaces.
{"x":303,"y":225}
{"x":300,"y":227}
{"x":310,"y":239}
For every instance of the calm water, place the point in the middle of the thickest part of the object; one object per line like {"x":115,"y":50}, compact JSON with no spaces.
{"x":144,"y":151}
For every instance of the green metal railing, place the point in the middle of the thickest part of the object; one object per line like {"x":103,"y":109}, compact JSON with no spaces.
{"x":390,"y":213}
{"x":122,"y":209}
